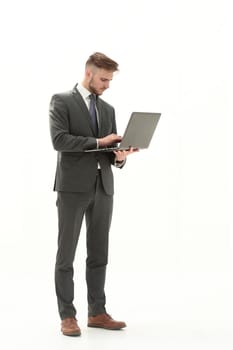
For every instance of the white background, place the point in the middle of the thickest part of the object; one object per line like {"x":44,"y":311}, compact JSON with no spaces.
{"x":170,"y":266}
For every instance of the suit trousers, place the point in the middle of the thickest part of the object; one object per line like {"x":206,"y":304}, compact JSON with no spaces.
{"x":96,"y":206}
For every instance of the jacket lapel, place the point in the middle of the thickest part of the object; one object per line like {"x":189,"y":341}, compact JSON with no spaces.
{"x":100,"y":114}
{"x":82,"y":105}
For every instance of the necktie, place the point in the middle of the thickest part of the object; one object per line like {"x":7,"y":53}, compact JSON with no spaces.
{"x":92,"y":111}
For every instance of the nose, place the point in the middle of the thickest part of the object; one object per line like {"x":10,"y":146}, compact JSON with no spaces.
{"x":106,"y":85}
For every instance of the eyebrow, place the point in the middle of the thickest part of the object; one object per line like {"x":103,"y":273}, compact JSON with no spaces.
{"x":105,"y":79}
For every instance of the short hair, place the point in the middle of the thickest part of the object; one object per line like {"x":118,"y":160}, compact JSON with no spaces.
{"x":100,"y":60}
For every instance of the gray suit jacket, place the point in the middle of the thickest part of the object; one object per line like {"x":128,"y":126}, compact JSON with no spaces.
{"x":71,"y":134}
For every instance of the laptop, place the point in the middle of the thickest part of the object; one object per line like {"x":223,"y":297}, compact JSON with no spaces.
{"x":138,"y":133}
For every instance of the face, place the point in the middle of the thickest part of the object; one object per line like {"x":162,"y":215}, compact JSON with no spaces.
{"x":98,"y":80}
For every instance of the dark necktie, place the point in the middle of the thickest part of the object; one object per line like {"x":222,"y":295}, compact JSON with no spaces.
{"x":92,"y":110}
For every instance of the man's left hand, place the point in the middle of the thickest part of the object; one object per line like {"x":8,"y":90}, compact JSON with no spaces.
{"x":121,"y":155}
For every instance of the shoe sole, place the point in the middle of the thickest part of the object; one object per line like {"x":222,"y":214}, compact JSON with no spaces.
{"x":99,"y":326}
{"x":72,"y":334}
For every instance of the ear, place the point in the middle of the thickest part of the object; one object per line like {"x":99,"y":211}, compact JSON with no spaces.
{"x":88,"y":73}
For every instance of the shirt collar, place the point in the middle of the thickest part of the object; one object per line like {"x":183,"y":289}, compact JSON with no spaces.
{"x":83,"y":91}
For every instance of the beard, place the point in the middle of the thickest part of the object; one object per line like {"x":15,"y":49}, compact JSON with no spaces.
{"x":92,"y":88}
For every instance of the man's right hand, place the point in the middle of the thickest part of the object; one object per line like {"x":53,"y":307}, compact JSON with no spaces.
{"x":109,"y":140}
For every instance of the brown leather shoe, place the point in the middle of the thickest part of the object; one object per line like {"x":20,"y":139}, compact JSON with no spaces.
{"x":105,"y":321}
{"x":69,"y":326}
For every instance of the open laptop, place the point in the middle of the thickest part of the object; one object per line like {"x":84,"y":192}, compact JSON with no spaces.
{"x":138,"y":133}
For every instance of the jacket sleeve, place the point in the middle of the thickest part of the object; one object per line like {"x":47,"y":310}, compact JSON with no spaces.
{"x":62,"y":139}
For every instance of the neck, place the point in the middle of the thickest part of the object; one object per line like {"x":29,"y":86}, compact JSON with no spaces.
{"x":84,"y":84}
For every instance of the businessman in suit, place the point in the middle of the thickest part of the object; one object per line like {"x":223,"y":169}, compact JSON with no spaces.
{"x":85,"y":188}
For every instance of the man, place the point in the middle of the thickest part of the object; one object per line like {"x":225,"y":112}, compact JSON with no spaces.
{"x":81,"y":120}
